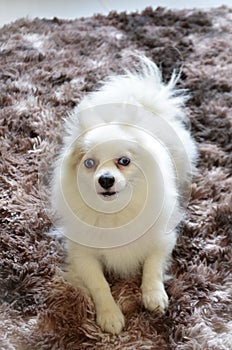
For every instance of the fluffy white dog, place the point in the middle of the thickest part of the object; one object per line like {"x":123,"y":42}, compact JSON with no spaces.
{"x":118,"y":186}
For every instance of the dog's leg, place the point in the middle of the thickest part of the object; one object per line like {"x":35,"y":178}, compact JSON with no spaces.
{"x":109,"y":315}
{"x":153,"y":292}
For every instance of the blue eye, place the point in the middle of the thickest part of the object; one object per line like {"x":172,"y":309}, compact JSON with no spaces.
{"x":124,"y":161}
{"x":89,"y":163}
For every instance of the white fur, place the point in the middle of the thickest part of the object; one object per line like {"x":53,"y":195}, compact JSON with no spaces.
{"x":136,"y":98}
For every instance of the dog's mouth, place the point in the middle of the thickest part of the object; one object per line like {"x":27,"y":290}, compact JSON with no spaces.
{"x":108,"y":193}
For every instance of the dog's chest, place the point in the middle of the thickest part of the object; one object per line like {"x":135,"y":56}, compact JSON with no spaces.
{"x":125,"y":260}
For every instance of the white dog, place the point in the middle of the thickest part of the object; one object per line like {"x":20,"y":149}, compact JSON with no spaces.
{"x":117,"y":186}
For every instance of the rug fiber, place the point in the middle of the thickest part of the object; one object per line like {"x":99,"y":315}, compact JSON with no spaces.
{"x":46,"y":67}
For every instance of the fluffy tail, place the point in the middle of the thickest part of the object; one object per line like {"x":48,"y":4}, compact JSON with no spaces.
{"x":141,"y":85}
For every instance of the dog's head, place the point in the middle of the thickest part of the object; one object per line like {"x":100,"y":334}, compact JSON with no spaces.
{"x":106,"y":162}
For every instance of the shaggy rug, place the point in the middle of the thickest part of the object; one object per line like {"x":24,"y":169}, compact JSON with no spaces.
{"x":46,"y":67}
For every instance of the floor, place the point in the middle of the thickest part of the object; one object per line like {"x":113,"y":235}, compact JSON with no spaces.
{"x":11,"y":10}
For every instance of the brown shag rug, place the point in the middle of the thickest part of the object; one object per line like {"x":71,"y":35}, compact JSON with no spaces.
{"x":46,"y":67}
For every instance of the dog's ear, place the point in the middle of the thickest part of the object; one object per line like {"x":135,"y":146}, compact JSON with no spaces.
{"x":93,"y":117}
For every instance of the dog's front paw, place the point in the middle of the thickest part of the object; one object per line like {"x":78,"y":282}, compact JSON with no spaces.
{"x":111,"y":320}
{"x":155,"y":299}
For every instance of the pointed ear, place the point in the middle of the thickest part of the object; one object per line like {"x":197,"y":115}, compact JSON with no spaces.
{"x":92,"y":117}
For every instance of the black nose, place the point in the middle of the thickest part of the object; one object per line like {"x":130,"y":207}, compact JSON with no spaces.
{"x":106,"y":181}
